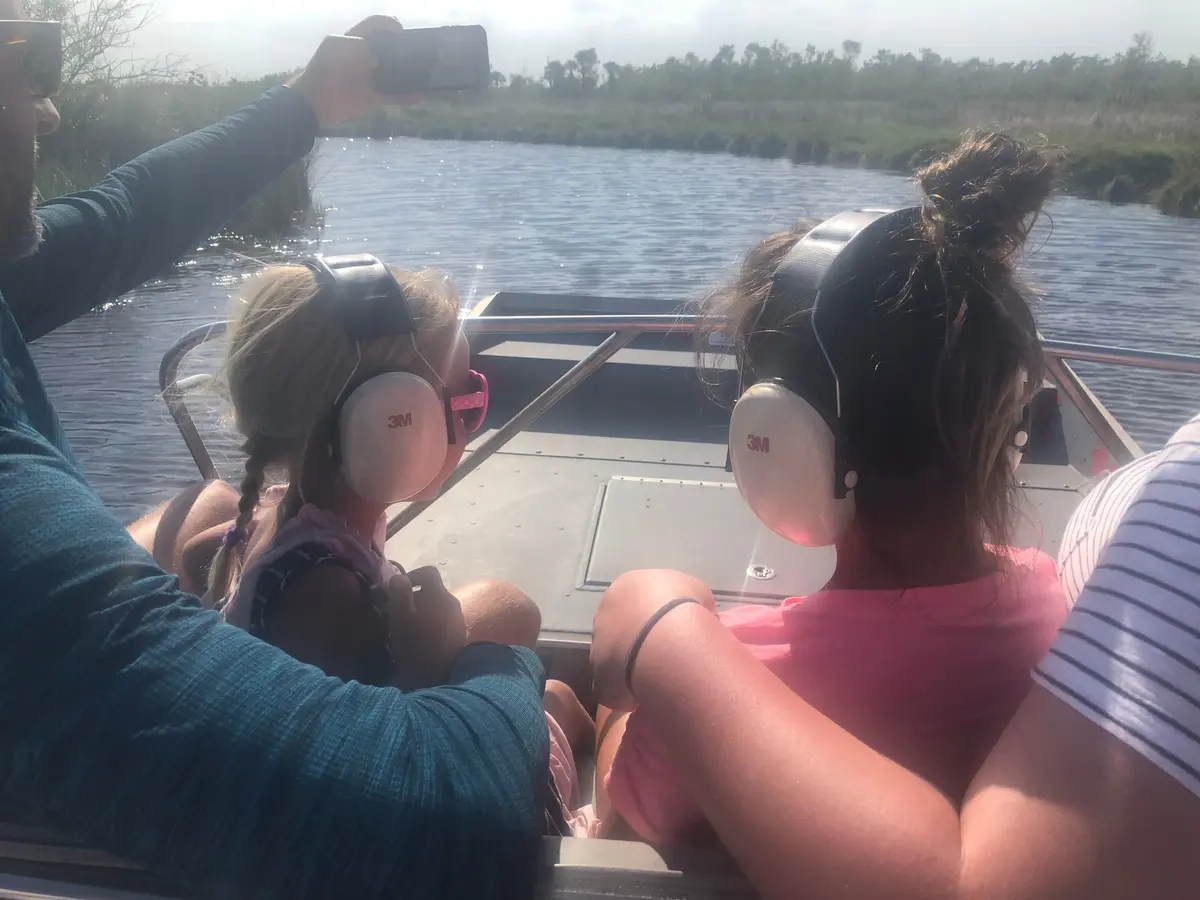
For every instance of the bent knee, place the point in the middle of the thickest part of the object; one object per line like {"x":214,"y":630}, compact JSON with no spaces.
{"x":166,"y":529}
{"x":499,"y":612}
{"x":196,"y":559}
{"x":563,"y":704}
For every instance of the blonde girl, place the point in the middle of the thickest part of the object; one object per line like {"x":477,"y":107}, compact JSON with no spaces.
{"x":308,"y":573}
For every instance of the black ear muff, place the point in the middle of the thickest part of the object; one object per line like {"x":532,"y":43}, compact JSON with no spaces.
{"x":391,"y":431}
{"x":786,"y":444}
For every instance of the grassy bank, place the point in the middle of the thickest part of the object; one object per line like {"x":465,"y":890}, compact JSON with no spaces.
{"x":104,"y":126}
{"x":1111,"y":161}
{"x":1130,"y":123}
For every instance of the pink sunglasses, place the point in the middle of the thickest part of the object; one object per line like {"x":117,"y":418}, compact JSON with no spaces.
{"x":473,"y":404}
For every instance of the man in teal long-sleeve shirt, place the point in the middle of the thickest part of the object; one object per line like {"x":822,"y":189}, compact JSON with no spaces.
{"x":133,"y":719}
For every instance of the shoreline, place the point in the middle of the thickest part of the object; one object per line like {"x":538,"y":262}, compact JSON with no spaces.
{"x":1163,"y":176}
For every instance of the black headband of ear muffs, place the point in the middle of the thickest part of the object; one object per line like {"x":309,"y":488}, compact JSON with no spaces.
{"x":369,"y":301}
{"x":810,"y":272}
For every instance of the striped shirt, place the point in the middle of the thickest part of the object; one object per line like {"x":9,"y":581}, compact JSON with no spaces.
{"x":1128,"y":656}
{"x":1094,"y":522}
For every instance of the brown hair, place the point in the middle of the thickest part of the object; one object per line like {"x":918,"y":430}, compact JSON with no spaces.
{"x":932,"y":333}
{"x":288,"y":361}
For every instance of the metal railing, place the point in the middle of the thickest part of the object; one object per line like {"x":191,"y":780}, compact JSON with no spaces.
{"x":621,"y":330}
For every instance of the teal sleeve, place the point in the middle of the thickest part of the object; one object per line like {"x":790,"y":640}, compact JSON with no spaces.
{"x":136,"y":721}
{"x":101,"y":243}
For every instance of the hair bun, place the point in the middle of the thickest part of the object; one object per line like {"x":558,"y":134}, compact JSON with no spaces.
{"x":986,"y":193}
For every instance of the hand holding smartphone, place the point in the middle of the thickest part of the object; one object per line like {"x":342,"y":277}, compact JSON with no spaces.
{"x":427,"y":60}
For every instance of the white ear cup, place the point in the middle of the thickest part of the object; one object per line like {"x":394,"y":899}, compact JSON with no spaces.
{"x":392,"y":430}
{"x":782,"y":452}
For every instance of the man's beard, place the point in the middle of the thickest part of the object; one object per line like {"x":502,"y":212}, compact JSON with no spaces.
{"x":20,"y":226}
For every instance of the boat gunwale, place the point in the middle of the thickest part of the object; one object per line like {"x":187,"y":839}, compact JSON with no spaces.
{"x":622,"y":329}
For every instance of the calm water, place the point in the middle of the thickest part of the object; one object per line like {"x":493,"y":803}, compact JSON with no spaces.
{"x":508,"y":217}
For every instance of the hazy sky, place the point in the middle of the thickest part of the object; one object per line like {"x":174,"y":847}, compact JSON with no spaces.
{"x":253,"y":37}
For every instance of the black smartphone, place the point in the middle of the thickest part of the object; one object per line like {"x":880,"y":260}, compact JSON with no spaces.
{"x":423,"y":60}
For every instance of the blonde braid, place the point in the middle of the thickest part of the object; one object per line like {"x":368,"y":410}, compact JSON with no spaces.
{"x":226,"y":564}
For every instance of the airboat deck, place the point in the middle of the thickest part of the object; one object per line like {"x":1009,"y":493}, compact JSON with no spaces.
{"x":602,"y":454}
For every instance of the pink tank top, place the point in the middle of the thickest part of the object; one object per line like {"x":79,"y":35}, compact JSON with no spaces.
{"x":312,"y":525}
{"x":922,"y":667}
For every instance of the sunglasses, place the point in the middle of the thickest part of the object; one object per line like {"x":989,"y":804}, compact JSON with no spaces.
{"x":473,"y":404}
{"x":40,"y":45}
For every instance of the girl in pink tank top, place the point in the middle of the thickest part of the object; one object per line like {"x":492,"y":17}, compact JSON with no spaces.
{"x":922,"y":361}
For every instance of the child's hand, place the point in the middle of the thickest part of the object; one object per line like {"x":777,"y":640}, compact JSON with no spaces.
{"x":426,"y":626}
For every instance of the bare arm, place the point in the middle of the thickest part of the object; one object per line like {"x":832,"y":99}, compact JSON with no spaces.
{"x":325,"y":620}
{"x":144,"y":215}
{"x":1061,"y":809}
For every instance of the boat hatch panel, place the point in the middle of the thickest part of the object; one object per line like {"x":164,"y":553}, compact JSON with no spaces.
{"x":562,"y":526}
{"x":704,"y":528}
{"x":1055,"y":478}
{"x":1043,"y":514}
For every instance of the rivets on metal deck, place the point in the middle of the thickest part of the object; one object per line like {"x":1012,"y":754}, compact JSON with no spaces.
{"x":761,"y":573}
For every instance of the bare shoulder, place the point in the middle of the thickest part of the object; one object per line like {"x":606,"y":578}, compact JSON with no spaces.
{"x":327,"y":589}
{"x":324,"y":617}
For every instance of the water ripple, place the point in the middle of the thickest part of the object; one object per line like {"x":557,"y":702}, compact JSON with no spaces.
{"x":588,"y":220}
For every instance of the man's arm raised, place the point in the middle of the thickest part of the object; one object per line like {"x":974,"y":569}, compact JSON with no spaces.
{"x":101,"y":243}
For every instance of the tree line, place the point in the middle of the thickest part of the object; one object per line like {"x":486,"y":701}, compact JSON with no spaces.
{"x":775,"y":72}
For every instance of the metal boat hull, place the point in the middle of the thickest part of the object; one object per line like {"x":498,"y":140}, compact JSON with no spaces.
{"x":588,"y":470}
